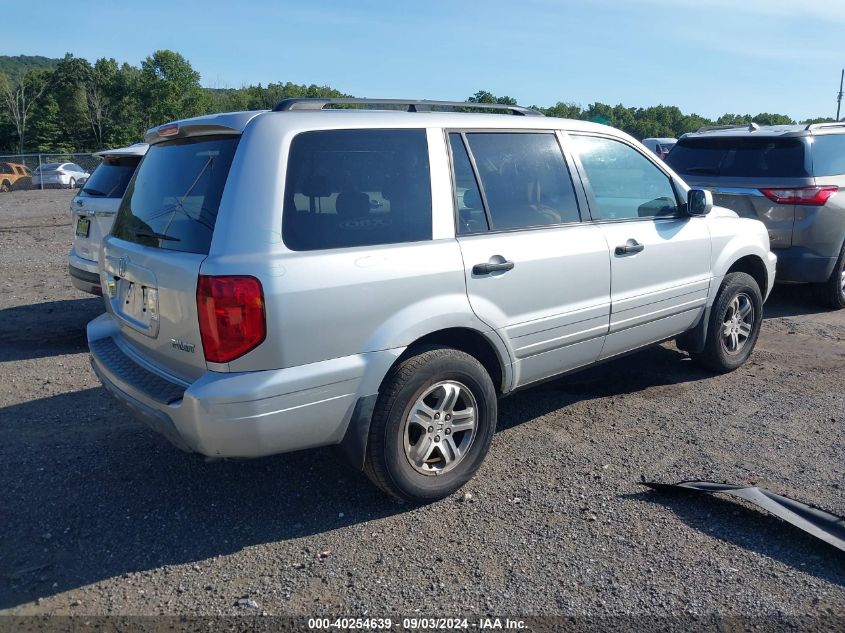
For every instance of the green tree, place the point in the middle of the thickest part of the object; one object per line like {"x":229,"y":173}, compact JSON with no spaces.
{"x":68,"y":88}
{"x":170,"y":89}
{"x":19,"y":97}
{"x":563,"y":110}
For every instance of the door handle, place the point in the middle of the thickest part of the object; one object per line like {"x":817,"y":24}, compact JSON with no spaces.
{"x":486,"y":269}
{"x":630,"y":247}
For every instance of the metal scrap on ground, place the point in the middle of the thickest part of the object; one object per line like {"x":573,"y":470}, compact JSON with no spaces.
{"x":823,"y":525}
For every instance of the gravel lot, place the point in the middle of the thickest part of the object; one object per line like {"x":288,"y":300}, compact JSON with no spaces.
{"x":101,"y":516}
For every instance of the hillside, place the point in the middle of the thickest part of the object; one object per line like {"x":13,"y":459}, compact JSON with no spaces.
{"x":14,"y":64}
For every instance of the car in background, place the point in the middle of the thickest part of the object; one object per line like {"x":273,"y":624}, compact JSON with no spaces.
{"x":14,"y":176}
{"x":59,"y":175}
{"x":660,"y":146}
{"x":789,"y":176}
{"x":93,"y":210}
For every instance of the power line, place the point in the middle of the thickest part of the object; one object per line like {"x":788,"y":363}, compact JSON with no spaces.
{"x":839,"y":96}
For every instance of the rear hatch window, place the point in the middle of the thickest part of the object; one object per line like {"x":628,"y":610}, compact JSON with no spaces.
{"x":739,"y":157}
{"x":110,"y":179}
{"x":172,"y":201}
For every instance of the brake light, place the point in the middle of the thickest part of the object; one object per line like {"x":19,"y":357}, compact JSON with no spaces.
{"x":816,"y":196}
{"x":231,"y":316}
{"x":170,"y":129}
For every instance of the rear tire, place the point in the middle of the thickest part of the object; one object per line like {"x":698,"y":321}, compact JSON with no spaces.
{"x":734,"y":324}
{"x":71,"y":184}
{"x":414,"y":453}
{"x":831,"y":293}
{"x":5,"y":186}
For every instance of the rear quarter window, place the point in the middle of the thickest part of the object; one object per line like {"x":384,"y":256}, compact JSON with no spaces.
{"x":763,"y":157}
{"x":829,"y":155}
{"x":348,"y":188}
{"x":172,"y":200}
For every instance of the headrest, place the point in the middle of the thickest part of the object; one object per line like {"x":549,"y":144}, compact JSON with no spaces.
{"x":352,"y":204}
{"x":471,"y":199}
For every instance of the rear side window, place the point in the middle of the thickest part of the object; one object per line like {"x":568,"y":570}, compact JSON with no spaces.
{"x":739,"y":157}
{"x":525,"y":179}
{"x":111,"y":178}
{"x":829,"y":155}
{"x":349,"y":188}
{"x":172,"y":201}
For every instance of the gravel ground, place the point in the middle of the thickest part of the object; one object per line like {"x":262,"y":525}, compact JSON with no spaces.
{"x":101,"y":516}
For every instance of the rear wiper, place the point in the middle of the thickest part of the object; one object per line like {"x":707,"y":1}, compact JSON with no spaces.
{"x":154,"y":235}
{"x":94,"y":192}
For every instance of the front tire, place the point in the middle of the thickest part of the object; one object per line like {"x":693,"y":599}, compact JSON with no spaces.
{"x":831,"y":293}
{"x":5,"y":186}
{"x":432,"y":426}
{"x":734,"y":325}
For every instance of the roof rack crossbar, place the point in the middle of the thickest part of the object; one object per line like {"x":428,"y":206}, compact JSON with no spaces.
{"x":286,"y":105}
{"x":816,"y":126}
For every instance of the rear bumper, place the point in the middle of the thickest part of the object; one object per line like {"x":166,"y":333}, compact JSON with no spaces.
{"x":799,"y":264}
{"x":84,"y":274}
{"x":238,"y":414}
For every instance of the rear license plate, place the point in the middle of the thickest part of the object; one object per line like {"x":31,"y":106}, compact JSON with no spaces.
{"x":138,"y":304}
{"x":83,"y":227}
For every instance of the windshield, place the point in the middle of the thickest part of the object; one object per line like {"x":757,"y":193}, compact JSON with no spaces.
{"x":48,"y":167}
{"x":110,"y":179}
{"x":740,"y":157}
{"x":172,"y":200}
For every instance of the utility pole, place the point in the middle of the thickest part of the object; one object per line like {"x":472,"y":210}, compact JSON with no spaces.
{"x":839,"y":96}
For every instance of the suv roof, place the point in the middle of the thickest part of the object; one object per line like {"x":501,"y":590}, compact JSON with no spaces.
{"x":435,"y":113}
{"x":754,"y":130}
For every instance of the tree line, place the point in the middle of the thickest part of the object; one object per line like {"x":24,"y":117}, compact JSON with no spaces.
{"x":77,"y":106}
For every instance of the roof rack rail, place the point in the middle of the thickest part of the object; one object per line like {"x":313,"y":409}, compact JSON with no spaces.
{"x":286,"y":105}
{"x":816,"y":126}
{"x":736,"y":126}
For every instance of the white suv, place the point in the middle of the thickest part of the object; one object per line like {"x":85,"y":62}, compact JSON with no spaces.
{"x":93,"y":210}
{"x":377,"y":279}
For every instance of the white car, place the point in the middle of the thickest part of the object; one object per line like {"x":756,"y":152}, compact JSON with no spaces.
{"x":61,"y":175}
{"x":660,"y":146}
{"x":93,"y":210}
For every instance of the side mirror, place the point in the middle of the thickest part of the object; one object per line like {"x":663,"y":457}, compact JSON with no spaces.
{"x":699,"y":202}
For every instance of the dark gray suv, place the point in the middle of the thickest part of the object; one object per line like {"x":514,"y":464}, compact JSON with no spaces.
{"x":791,"y":178}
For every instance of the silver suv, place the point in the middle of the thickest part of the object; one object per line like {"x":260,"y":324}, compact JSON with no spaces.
{"x":375,"y":279}
{"x":787,"y":176}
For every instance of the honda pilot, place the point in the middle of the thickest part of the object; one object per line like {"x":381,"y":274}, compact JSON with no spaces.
{"x":377,"y":274}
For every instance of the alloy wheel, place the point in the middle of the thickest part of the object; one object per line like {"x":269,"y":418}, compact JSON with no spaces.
{"x":738,"y":323}
{"x":440,"y":428}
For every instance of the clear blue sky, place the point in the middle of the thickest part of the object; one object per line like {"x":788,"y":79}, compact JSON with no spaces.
{"x":705,"y":56}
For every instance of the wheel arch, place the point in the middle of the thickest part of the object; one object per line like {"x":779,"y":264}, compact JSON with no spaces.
{"x":754,"y":266}
{"x":489,"y":351}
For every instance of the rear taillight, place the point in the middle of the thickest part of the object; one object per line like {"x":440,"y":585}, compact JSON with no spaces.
{"x":816,"y":196}
{"x":231,"y":316}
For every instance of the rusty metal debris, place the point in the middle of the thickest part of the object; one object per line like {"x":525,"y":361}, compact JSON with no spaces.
{"x":823,"y":525}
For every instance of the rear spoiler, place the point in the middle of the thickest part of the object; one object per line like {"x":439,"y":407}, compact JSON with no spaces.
{"x":229,"y":123}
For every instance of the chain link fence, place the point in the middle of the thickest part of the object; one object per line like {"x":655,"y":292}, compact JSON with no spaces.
{"x":17,"y":170}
